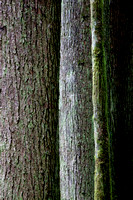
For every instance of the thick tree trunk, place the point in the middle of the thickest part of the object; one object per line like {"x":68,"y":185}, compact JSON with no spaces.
{"x":102,"y":178}
{"x":76,"y":131}
{"x":29,"y":64}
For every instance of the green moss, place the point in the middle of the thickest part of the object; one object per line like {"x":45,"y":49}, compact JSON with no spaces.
{"x":102,"y":184}
{"x":81,"y":62}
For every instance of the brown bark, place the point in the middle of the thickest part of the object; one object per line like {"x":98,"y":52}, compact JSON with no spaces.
{"x":29,"y":64}
{"x":76,"y":132}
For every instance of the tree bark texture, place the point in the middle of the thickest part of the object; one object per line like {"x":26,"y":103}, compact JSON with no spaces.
{"x":29,"y":70}
{"x":120,"y":94}
{"x":75,"y":103}
{"x":102,"y":177}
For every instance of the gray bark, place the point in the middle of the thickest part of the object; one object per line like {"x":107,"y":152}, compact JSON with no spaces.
{"x":75,"y":103}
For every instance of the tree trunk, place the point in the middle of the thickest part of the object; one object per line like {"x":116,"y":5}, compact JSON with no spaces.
{"x":29,"y":70}
{"x":102,"y":178}
{"x":76,"y":130}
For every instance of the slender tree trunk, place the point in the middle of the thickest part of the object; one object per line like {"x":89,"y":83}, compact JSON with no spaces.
{"x":102,"y":178}
{"x":76,"y":131}
{"x":29,"y":65}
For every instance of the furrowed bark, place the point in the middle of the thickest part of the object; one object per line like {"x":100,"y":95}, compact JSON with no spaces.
{"x":76,"y":131}
{"x":102,"y":178}
{"x":29,"y":69}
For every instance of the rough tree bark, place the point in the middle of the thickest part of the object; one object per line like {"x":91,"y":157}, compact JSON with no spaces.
{"x":102,"y":173}
{"x":29,"y":65}
{"x":76,"y":131}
